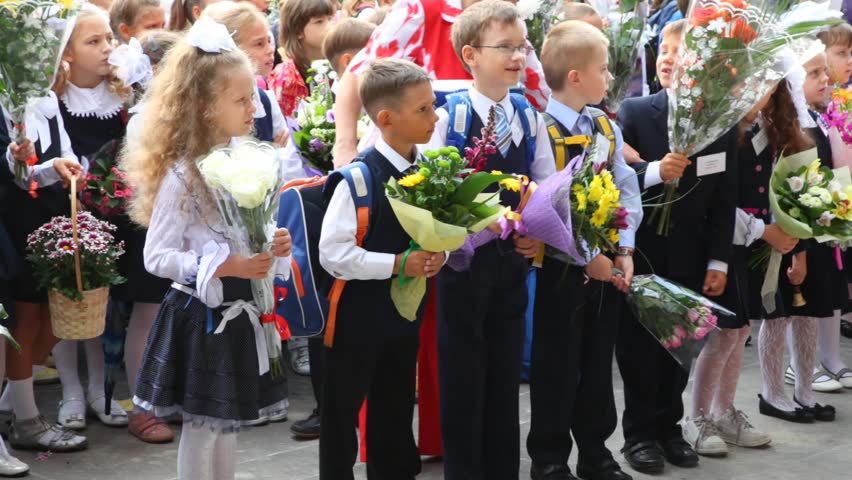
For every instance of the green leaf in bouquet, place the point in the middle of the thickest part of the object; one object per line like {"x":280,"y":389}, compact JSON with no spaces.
{"x":474,"y":184}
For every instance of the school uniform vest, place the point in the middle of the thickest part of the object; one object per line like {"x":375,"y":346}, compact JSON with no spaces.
{"x":515,"y":161}
{"x":89,"y":133}
{"x":366,"y":314}
{"x":753,"y":178}
{"x":263,"y":129}
{"x":436,"y":41}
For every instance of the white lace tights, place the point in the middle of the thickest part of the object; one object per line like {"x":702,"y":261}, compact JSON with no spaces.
{"x":771,"y":349}
{"x":717,"y":372}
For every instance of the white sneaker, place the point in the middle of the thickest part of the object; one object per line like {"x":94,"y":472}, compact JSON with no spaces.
{"x":822,"y":381}
{"x":701,"y":434}
{"x":9,"y":465}
{"x":734,"y":428}
{"x":299,"y":360}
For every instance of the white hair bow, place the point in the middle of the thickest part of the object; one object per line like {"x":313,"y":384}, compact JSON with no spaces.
{"x":210,"y":36}
{"x":132,"y":65}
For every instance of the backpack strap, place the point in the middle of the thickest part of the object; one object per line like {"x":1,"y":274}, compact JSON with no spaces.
{"x":603,"y":125}
{"x":357,"y":176}
{"x":528,"y":121}
{"x":460,"y":111}
{"x":560,"y":143}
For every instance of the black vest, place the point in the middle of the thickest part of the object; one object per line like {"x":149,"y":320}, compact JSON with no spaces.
{"x":515,"y":161}
{"x":89,"y":134}
{"x":754,"y":172}
{"x":366,"y":314}
{"x":263,"y":129}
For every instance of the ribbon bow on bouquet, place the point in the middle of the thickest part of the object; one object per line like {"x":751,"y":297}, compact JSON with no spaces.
{"x":513,"y":221}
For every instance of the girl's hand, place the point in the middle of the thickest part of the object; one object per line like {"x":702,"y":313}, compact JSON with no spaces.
{"x":778,"y":238}
{"x":70,"y":171}
{"x":798,"y":269}
{"x":282,"y":138}
{"x":22,"y":152}
{"x":282,"y":243}
{"x":254,"y":267}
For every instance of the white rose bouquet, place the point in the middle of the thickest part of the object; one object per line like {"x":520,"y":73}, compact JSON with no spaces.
{"x":245,"y":182}
{"x":808,"y":200}
{"x":31,"y":33}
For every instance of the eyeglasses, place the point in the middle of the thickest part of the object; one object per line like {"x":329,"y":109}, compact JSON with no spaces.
{"x":508,"y":50}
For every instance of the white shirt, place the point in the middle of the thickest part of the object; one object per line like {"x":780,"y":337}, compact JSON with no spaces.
{"x":186,"y":239}
{"x":339,"y":252}
{"x":543,"y":164}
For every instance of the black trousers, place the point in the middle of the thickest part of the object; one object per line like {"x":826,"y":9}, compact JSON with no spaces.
{"x":385,"y":374}
{"x":480,"y":341}
{"x":316,"y":354}
{"x":571,"y":375}
{"x":653,"y":381}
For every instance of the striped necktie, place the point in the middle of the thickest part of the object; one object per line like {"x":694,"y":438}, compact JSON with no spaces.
{"x":502,"y":130}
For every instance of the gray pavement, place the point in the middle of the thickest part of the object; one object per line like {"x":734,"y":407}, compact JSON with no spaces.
{"x":821,"y":451}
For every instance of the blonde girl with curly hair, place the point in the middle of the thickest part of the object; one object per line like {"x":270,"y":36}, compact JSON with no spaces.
{"x":200,"y":98}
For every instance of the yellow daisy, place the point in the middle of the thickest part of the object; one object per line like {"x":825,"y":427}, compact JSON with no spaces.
{"x":596,"y":188}
{"x":512,"y":184}
{"x":411,"y":180}
{"x":581,"y":197}
{"x":613,"y":235}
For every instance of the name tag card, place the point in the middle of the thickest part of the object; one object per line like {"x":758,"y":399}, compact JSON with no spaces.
{"x":710,"y":164}
{"x":760,"y":142}
{"x":601,"y":152}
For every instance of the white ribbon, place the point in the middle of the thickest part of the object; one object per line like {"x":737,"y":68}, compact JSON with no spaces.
{"x":210,"y":36}
{"x":234,"y":310}
{"x":132,"y":65}
{"x":37,"y":117}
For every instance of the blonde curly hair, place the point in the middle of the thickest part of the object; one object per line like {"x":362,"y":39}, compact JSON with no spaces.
{"x":178,"y":122}
{"x":116,"y":85}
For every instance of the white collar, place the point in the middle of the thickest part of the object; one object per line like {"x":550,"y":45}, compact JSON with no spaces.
{"x":482,"y":106}
{"x":398,"y":161}
{"x":87,"y":102}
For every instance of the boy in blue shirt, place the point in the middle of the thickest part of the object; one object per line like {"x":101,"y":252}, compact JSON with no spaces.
{"x":575,"y":321}
{"x":481,"y":309}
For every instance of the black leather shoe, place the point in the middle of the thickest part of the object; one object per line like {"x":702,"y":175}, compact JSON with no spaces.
{"x":551,"y":471}
{"x":644,"y":457}
{"x":679,"y":453}
{"x":799,"y":415}
{"x":823,"y":413}
{"x":307,"y":429}
{"x":609,"y":469}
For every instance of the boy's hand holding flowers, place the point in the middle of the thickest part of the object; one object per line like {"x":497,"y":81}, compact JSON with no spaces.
{"x":420,"y":263}
{"x":526,"y":245}
{"x":778,"y":238}
{"x":673,"y":165}
{"x":600,"y":268}
{"x":282,"y":243}
{"x":714,"y":283}
{"x":625,"y":264}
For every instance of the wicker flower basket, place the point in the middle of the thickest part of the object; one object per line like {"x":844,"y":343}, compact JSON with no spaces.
{"x":78,"y":320}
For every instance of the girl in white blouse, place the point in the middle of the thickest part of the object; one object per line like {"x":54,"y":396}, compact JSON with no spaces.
{"x":200,"y":98}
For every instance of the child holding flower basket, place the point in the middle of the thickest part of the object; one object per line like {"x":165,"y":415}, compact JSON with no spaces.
{"x":207,"y":355}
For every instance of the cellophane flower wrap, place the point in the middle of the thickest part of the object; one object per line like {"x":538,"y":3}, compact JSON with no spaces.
{"x":680,"y":319}
{"x":107,"y":188}
{"x":5,"y":331}
{"x":316,"y":134}
{"x":539,"y":16}
{"x":837,"y":118}
{"x":31,"y":34}
{"x":624,"y":25}
{"x":245,"y":181}
{"x":51,"y":251}
{"x":576,"y":210}
{"x":730,"y":59}
{"x":438,"y":206}
{"x":807,"y":200}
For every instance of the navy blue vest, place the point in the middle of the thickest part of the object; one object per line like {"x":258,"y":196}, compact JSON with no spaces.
{"x":263,"y":130}
{"x":89,"y":134}
{"x":516,"y":162}
{"x":366,"y":314}
{"x":753,"y":178}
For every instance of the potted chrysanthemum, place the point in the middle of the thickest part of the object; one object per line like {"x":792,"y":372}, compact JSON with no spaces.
{"x":75,"y":261}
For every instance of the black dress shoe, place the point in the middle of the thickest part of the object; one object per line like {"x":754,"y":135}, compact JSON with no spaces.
{"x":823,"y":413}
{"x":551,"y":471}
{"x":644,"y":457}
{"x":799,"y":415}
{"x":609,"y":469}
{"x":679,"y":453}
{"x":307,"y":429}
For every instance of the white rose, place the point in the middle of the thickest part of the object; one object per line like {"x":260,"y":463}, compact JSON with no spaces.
{"x":211,"y":168}
{"x":834,"y":186}
{"x":820,"y":193}
{"x":259,"y":163}
{"x":810,"y":201}
{"x":796,"y":183}
{"x":247,"y":191}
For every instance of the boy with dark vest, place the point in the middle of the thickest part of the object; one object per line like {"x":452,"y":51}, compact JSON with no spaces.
{"x":575,"y":320}
{"x":372,"y":349}
{"x":481,"y":309}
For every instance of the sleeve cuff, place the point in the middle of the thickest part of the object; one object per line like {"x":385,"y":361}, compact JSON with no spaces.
{"x":380,"y":263}
{"x":627,"y":238}
{"x":282,"y":267}
{"x":718,"y":265}
{"x":652,"y":174}
{"x":208,"y":286}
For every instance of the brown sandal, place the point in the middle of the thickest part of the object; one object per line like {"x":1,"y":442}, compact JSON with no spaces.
{"x":148,"y":428}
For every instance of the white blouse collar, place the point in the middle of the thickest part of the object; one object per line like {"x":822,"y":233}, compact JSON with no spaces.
{"x":86,"y":102}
